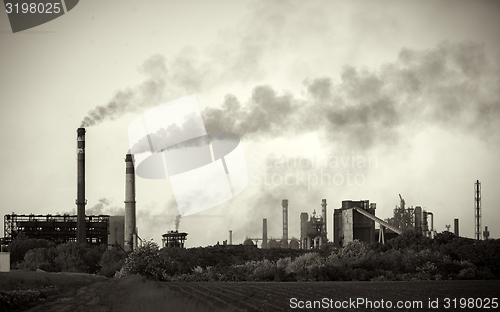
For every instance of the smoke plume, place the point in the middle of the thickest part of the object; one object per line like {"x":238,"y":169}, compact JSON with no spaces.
{"x":104,"y":206}
{"x":150,"y":92}
{"x":177,"y":222}
{"x":453,"y":85}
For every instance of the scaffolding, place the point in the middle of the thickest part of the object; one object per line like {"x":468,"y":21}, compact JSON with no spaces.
{"x":174,"y":239}
{"x":56,"y":228}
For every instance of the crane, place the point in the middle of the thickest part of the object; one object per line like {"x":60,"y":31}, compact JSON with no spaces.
{"x":402,"y":202}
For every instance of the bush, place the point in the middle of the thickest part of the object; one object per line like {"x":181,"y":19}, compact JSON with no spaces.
{"x":39,"y":258}
{"x":70,"y":257}
{"x":264,"y":270}
{"x":111,"y":261}
{"x":306,"y":267}
{"x":21,"y":244}
{"x":149,"y":262}
{"x":354,"y":254}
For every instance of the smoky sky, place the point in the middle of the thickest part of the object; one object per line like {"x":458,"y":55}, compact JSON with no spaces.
{"x":146,"y":94}
{"x":453,"y":85}
{"x":170,"y":133}
{"x":104,"y":206}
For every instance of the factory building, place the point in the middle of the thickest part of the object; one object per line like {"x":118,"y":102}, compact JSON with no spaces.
{"x":116,"y":237}
{"x":415,"y":219}
{"x":313,"y":230}
{"x":349,"y":223}
{"x":174,"y":239}
{"x":57,"y":228}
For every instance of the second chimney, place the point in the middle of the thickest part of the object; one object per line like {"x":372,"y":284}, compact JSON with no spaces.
{"x":264,"y":234}
{"x":285,"y":221}
{"x":323,"y":214}
{"x":130,"y":224}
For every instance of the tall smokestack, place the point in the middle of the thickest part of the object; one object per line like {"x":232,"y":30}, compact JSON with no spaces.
{"x":285,"y":221}
{"x":130,"y":242}
{"x":456,"y":228}
{"x":264,"y":233}
{"x":230,"y":237}
{"x":81,"y":236}
{"x":323,"y":213}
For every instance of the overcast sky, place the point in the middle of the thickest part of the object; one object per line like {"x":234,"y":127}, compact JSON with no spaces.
{"x":413,"y":86}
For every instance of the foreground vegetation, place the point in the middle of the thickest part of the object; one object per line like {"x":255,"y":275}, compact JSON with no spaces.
{"x":408,"y":257}
{"x":21,"y":289}
{"x":39,"y":254}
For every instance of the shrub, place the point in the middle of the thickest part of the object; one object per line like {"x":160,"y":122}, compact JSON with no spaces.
{"x":306,"y":267}
{"x":111,"y":261}
{"x":39,"y":258}
{"x":70,"y":257}
{"x":332,"y":273}
{"x":353,"y":254}
{"x":264,"y":270}
{"x":21,"y":244}
{"x":92,"y":256}
{"x":149,"y":262}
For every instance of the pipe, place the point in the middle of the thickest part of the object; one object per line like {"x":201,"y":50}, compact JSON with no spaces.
{"x":285,"y":221}
{"x":323,"y":213}
{"x":264,"y":234}
{"x":432,"y":224}
{"x":130,"y":222}
{"x":80,"y":199}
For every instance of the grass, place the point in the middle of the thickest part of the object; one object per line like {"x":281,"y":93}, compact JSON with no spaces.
{"x":20,"y":289}
{"x":24,"y":280}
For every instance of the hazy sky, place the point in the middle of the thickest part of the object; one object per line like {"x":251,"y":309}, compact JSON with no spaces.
{"x":412,"y":85}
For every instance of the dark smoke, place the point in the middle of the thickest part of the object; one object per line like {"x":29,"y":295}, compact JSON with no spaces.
{"x":188,"y":72}
{"x":150,"y":92}
{"x":166,"y":135}
{"x":453,"y":86}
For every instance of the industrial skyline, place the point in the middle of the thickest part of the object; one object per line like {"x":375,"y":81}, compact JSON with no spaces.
{"x":332,"y":100}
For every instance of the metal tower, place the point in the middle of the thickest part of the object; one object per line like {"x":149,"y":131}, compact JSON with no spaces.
{"x":477,"y":208}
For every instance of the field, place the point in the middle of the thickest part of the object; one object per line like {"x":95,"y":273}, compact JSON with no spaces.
{"x":248,"y":296}
{"x":83,"y":292}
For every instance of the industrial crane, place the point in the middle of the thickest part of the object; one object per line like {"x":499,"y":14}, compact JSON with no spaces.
{"x":402,"y":202}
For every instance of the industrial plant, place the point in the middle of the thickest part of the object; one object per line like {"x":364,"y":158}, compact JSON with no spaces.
{"x":353,"y":220}
{"x":117,"y":231}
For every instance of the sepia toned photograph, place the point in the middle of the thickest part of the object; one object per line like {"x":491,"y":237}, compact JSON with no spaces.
{"x":249,"y":155}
